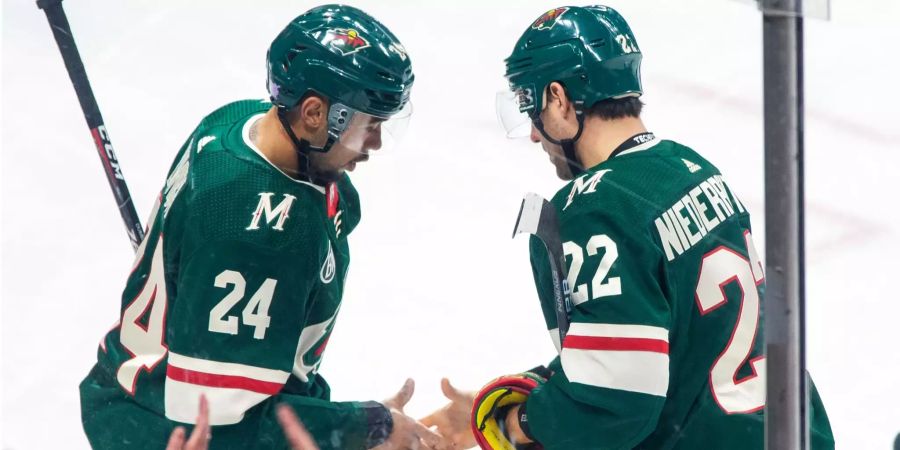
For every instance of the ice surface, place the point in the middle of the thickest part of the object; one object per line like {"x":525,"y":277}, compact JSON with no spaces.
{"x":433,"y":262}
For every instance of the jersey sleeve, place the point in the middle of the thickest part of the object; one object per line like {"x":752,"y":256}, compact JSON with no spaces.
{"x":612,"y":374}
{"x":237,"y":303}
{"x":333,"y":425}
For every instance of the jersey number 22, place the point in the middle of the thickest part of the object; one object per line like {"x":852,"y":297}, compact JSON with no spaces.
{"x":719,"y":268}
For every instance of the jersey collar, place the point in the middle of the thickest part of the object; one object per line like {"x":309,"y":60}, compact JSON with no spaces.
{"x":245,"y":134}
{"x":636,"y":143}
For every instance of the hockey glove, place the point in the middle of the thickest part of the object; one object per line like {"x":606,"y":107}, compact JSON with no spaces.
{"x":494,"y":401}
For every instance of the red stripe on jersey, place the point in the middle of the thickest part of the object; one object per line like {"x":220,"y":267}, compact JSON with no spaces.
{"x":332,"y":198}
{"x":222,"y":381}
{"x":321,"y":348}
{"x":616,"y":344}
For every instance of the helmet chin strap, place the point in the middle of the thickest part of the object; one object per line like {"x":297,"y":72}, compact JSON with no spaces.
{"x":568,"y":144}
{"x":302,"y":147}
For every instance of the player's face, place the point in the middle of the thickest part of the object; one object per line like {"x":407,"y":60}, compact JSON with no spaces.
{"x":559,"y":122}
{"x":554,"y":151}
{"x":362,"y":136}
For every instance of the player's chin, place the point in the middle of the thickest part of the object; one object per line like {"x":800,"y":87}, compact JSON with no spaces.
{"x":329,"y":176}
{"x":350,"y":166}
{"x":562,"y":169}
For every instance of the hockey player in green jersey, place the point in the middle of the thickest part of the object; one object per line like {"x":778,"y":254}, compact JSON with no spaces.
{"x":235,"y":290}
{"x":664,"y":348}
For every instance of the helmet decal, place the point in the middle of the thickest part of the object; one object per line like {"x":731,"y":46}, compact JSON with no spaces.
{"x":549,"y":19}
{"x":346,"y":40}
{"x":525,"y":98}
{"x":274,"y":89}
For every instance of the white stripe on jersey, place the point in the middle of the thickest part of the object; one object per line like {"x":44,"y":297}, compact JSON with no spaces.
{"x":554,"y":336}
{"x":618,"y":330}
{"x":226,"y":405}
{"x":231,"y":388}
{"x":625,"y":357}
{"x":643,"y":372}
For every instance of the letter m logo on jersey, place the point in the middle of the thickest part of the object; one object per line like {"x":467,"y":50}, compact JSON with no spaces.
{"x":278,"y":214}
{"x":585,"y":185}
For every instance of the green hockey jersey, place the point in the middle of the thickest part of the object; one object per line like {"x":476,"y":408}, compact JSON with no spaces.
{"x":664,"y":349}
{"x":233,"y":295}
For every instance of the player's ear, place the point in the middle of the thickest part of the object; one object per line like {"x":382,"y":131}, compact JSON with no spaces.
{"x":313,"y":112}
{"x":557,"y":98}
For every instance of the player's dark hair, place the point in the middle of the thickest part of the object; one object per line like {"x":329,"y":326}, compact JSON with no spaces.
{"x":616,"y":108}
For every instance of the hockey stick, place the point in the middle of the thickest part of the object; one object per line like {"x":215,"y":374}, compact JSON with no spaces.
{"x":538,"y":218}
{"x":56,"y":16}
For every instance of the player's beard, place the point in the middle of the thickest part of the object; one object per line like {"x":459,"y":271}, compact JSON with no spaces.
{"x":325,"y":170}
{"x":558,"y":159}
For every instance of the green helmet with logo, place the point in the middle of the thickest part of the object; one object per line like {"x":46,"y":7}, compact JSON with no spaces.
{"x":590,"y":50}
{"x":344,"y":55}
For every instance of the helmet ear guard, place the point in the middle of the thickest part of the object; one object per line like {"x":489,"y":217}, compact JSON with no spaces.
{"x":338,"y":118}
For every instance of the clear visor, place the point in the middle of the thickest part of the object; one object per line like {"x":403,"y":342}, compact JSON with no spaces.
{"x":511,"y":107}
{"x":364,"y":133}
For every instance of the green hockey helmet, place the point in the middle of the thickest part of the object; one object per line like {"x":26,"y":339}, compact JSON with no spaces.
{"x":351,"y":59}
{"x":590,"y":50}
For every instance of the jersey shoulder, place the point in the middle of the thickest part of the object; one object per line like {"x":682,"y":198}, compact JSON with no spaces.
{"x":633,"y":187}
{"x":224,"y":128}
{"x":666,"y":194}
{"x":231,"y":112}
{"x":236,"y":194}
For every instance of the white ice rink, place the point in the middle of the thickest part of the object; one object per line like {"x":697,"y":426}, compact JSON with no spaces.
{"x":435,"y":276}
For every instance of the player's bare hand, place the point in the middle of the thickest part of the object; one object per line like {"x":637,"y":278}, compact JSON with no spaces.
{"x":408,"y":433}
{"x":453,"y":420}
{"x":201,"y":435}
{"x":297,"y":436}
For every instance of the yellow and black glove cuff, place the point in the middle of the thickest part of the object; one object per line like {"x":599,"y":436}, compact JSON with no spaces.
{"x":492,"y":404}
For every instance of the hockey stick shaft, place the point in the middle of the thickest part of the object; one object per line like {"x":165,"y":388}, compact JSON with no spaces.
{"x":538,"y":218}
{"x":59,"y":24}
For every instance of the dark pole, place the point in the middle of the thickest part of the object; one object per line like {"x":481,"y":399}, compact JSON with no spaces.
{"x":787,"y":399}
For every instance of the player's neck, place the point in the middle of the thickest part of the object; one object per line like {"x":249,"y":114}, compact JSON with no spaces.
{"x":601,"y":137}
{"x":274,"y":143}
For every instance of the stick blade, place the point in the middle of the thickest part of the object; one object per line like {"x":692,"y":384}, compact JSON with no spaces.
{"x":529,"y":214}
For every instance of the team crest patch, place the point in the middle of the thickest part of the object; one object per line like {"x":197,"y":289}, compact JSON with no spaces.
{"x":549,"y":19}
{"x":345,"y":40}
{"x":328,"y":267}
